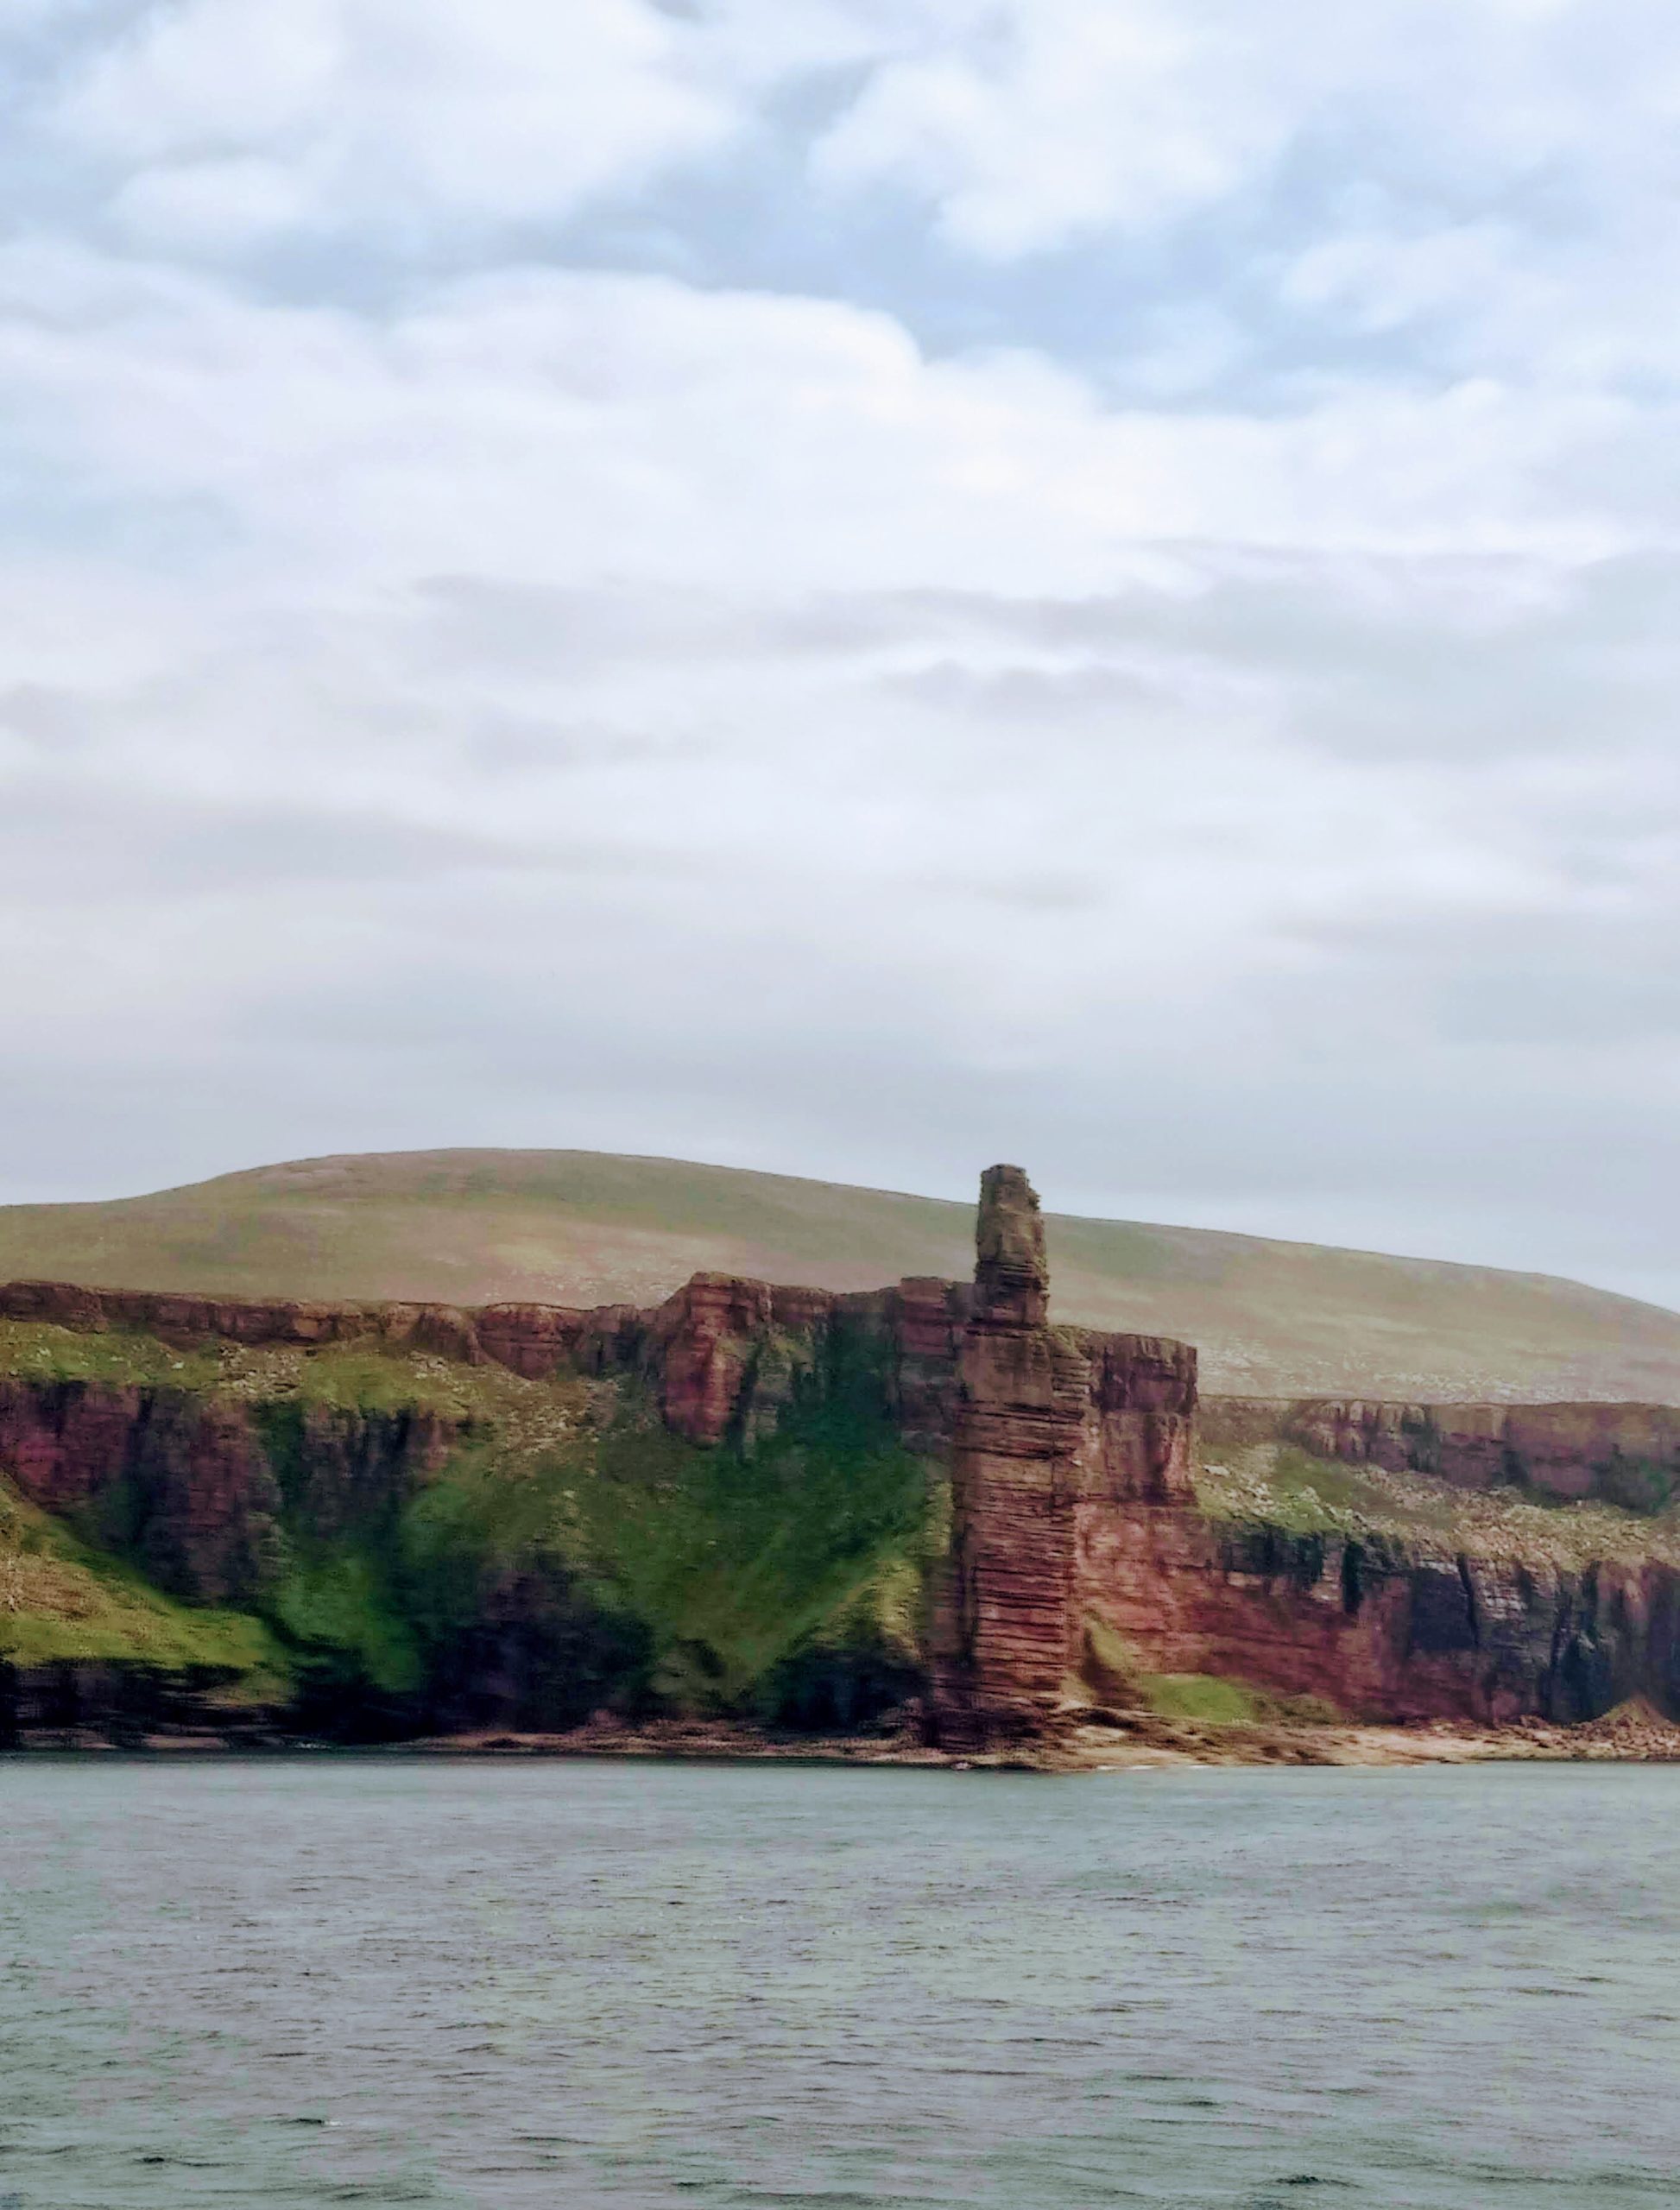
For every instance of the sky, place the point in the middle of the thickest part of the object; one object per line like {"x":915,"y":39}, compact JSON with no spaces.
{"x":854,"y":587}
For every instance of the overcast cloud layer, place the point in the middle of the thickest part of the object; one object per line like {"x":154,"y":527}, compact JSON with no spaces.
{"x":855,"y":586}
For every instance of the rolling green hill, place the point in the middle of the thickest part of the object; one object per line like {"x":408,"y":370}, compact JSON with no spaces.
{"x":582,"y":1228}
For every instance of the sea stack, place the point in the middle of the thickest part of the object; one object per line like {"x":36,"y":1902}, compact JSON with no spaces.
{"x":1058,"y":1431}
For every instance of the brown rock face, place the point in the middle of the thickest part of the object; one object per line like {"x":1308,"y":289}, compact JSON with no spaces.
{"x":181,"y":1484}
{"x":1625,"y":1453}
{"x":184,"y":1320}
{"x":1378,"y":1636}
{"x":1011,"y":1274}
{"x":1053,"y":1425}
{"x":1074,"y":1508}
{"x":721,"y":1356}
{"x":184,"y":1484}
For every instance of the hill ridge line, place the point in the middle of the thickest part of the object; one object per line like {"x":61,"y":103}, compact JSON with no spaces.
{"x":474,"y":1225}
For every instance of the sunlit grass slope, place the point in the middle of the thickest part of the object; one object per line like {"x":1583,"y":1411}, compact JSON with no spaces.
{"x":582,"y":1228}
{"x":62,"y":1598}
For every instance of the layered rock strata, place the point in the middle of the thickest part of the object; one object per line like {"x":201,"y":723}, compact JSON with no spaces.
{"x":1625,"y":1453}
{"x":1380,"y":1633}
{"x":721,"y":1356}
{"x":186,"y":1485}
{"x":1077,"y":1536}
{"x":1056,"y":1429}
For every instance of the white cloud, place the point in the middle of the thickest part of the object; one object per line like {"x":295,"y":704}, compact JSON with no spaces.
{"x":393,"y":112}
{"x":459,"y":697}
{"x":733,"y":635}
{"x":1058,"y":116}
{"x":1028,"y":124}
{"x":561,"y":426}
{"x":223,"y":204}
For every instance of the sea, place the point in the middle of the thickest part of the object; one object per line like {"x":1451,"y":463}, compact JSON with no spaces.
{"x":521,"y":1984}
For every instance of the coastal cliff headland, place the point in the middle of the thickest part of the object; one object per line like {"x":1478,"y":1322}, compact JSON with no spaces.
{"x":922,"y":1521}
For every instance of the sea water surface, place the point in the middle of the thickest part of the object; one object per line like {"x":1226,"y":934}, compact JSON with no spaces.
{"x":541,"y":1986}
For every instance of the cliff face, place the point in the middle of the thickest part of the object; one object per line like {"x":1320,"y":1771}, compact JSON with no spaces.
{"x":1079,"y":1533}
{"x":722,"y":1357}
{"x":1382,"y":1633}
{"x":181,"y":1485}
{"x":519,"y":1511}
{"x":188,"y":1321}
{"x":499,"y":1518}
{"x":1628,"y":1455}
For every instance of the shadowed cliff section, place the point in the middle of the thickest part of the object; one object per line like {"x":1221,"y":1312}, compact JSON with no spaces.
{"x":362,"y":1522}
{"x":582,"y":1229}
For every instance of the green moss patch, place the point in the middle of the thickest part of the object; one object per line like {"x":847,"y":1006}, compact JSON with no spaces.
{"x":1113,"y":1673}
{"x":36,"y":1352}
{"x":1277,"y":1485}
{"x":569,"y":1544}
{"x":735,"y":1563}
{"x":61,"y":1600}
{"x":1205,"y":1698}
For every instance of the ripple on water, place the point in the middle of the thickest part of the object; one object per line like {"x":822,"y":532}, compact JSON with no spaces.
{"x":378,"y":1979}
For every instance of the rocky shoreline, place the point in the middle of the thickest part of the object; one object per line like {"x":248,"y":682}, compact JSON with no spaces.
{"x":1635,"y":1733}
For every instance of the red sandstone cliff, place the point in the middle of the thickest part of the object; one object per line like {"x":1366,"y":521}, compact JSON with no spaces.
{"x":1626,"y":1453}
{"x":179,"y":1483}
{"x":721,"y":1356}
{"x":1070,"y":1457}
{"x":1074,"y":1509}
{"x":1054,"y":1426}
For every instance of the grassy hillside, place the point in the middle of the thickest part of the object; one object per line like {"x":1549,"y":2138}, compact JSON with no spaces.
{"x":580,"y":1227}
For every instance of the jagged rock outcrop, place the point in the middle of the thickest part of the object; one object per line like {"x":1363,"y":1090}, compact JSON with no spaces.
{"x":723,"y":1358}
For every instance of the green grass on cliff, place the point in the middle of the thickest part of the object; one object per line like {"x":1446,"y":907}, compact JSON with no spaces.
{"x":1276,"y":1485}
{"x":37,"y":1352}
{"x":366,"y":1376}
{"x":60,"y":1599}
{"x":667,"y":1575}
{"x":721,"y":1567}
{"x":618,"y":1562}
{"x":339,"y":1616}
{"x":1271,"y":1318}
{"x":1114,"y":1675}
{"x":735,"y":1562}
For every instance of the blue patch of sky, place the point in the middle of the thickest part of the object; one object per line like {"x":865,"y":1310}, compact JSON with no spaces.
{"x":1192,"y":314}
{"x":1106,"y":305}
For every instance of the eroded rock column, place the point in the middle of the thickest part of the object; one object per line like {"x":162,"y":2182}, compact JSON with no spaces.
{"x":1001,"y":1645}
